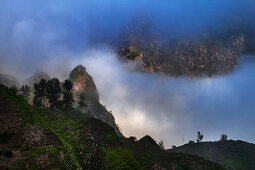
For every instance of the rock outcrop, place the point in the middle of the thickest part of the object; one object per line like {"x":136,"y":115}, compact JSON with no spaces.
{"x":212,"y":53}
{"x":83,"y":82}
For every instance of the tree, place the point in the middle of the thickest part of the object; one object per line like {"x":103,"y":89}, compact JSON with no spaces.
{"x":40,"y":93}
{"x":173,"y":146}
{"x":53,"y":91}
{"x":199,"y":137}
{"x":191,"y":142}
{"x":223,"y":138}
{"x":161,"y":144}
{"x":14,"y":89}
{"x":82,"y":101}
{"x":68,"y":95}
{"x":25,"y":91}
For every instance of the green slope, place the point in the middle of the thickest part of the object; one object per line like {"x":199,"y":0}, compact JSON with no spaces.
{"x":237,"y":155}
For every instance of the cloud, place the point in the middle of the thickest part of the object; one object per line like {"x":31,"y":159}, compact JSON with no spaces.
{"x":174,"y":109}
{"x":54,"y":36}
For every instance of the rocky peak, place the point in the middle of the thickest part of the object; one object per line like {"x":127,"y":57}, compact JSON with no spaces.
{"x":83,"y":82}
{"x":38,"y":75}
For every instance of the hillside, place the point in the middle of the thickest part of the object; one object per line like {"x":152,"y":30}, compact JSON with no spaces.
{"x":37,"y":138}
{"x":236,"y":155}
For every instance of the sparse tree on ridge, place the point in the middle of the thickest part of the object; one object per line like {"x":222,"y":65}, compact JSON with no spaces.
{"x":25,"y":91}
{"x":68,"y":95}
{"x":53,"y":91}
{"x":39,"y":92}
{"x":161,"y":144}
{"x":223,"y":137}
{"x":199,"y":137}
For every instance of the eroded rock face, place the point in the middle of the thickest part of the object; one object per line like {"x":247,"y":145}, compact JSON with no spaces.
{"x":38,"y":75}
{"x":83,"y":82}
{"x":213,"y":53}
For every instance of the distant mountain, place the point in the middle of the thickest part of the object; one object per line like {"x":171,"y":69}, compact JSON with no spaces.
{"x":233,"y":155}
{"x":8,"y":80}
{"x":38,"y":138}
{"x":37,"y":76}
{"x":214,"y":52}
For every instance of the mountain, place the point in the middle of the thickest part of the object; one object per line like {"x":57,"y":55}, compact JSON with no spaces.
{"x":8,"y":80}
{"x":235,"y":155}
{"x":39,"y":138}
{"x":213,"y":52}
{"x":83,"y":82}
{"x":37,"y":76}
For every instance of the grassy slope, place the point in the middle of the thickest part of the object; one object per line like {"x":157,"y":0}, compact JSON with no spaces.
{"x":91,"y":144}
{"x":237,"y":155}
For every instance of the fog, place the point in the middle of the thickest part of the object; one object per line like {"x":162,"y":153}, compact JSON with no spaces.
{"x":55,"y":36}
{"x":174,"y":109}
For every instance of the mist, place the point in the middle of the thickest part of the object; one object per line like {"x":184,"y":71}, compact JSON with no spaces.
{"x":55,"y":36}
{"x":174,"y":109}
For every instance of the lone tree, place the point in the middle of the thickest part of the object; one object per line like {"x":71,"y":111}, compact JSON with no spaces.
{"x":40,"y":92}
{"x":25,"y":91}
{"x":68,"y":95}
{"x":53,"y":91}
{"x":199,"y":137}
{"x":82,"y":101}
{"x":161,"y":144}
{"x":223,"y":137}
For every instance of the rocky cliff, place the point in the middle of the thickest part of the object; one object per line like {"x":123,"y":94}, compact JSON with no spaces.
{"x":215,"y":52}
{"x":83,"y":82}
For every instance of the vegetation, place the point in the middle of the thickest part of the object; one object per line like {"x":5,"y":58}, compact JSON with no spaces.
{"x":86,"y":142}
{"x":199,"y":137}
{"x":40,"y":93}
{"x":25,"y":91}
{"x":223,"y":138}
{"x":53,"y":91}
{"x":68,"y":95}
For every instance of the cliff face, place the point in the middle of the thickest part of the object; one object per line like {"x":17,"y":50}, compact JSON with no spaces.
{"x":83,"y":82}
{"x":214,"y":53}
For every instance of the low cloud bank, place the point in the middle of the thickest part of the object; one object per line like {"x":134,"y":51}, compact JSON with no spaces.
{"x":174,"y":109}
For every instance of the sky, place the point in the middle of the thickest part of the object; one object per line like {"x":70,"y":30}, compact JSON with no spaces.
{"x":55,"y":36}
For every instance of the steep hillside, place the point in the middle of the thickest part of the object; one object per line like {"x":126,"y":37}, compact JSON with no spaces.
{"x":214,"y":52}
{"x":37,"y":138}
{"x":237,"y":155}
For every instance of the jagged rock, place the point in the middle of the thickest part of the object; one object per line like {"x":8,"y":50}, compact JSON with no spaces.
{"x":83,"y":82}
{"x":38,"y":75}
{"x":213,"y":53}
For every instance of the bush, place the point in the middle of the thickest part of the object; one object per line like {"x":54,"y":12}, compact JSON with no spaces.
{"x":8,"y":154}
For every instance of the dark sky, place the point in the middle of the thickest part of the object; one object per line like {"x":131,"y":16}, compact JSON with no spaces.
{"x":56,"y":35}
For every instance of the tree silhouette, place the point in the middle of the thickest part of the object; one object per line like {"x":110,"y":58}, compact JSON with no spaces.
{"x":199,"y":137}
{"x":25,"y":91}
{"x":40,"y":92}
{"x":161,"y":144}
{"x":68,"y":95}
{"x":82,"y":101}
{"x":223,"y":137}
{"x":53,"y":91}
